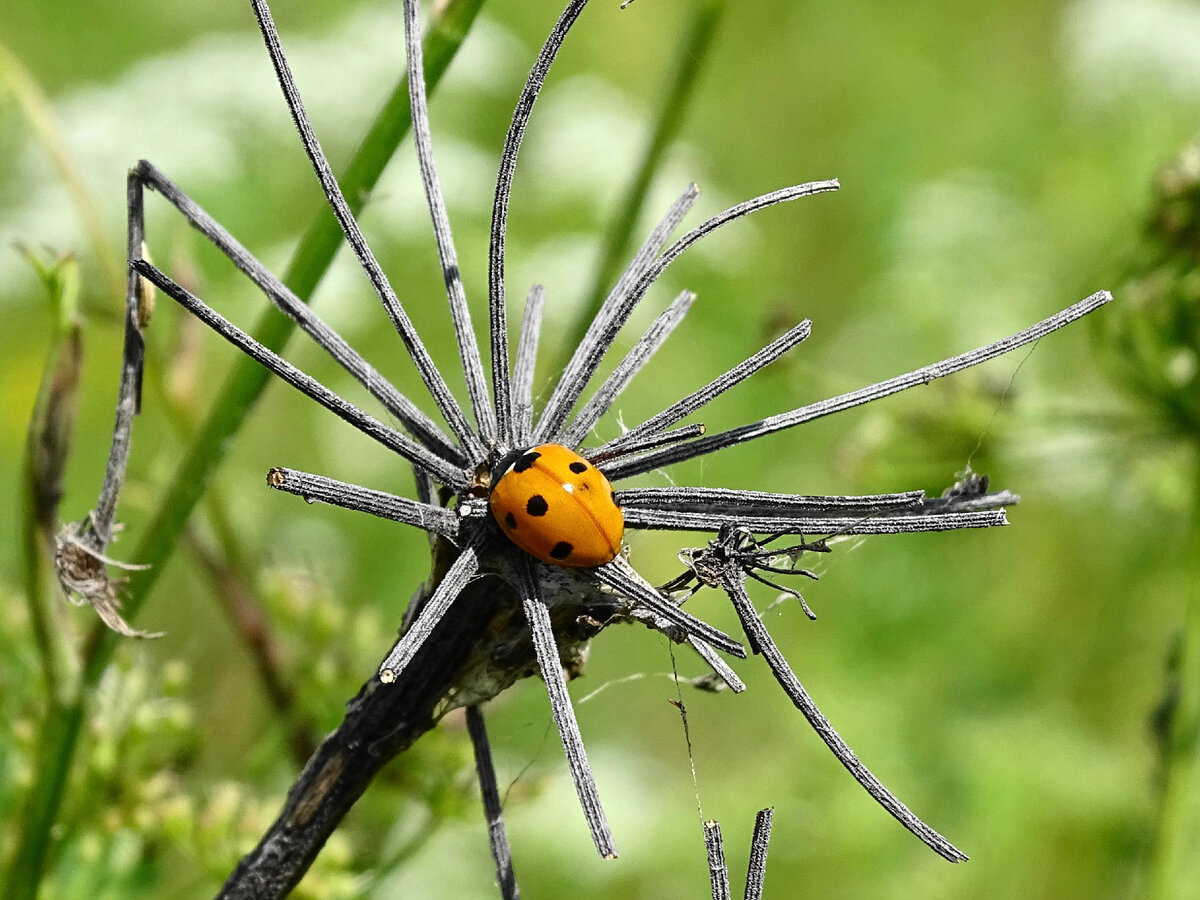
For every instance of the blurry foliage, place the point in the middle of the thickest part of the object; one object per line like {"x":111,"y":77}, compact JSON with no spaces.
{"x":996,"y":165}
{"x":1153,"y":351}
{"x":1153,"y":344}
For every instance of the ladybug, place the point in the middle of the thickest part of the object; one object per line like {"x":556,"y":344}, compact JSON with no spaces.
{"x":557,"y":506}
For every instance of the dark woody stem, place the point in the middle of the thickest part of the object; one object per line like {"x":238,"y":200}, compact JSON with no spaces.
{"x":381,"y":721}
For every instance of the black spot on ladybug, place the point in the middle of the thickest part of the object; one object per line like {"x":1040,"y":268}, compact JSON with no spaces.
{"x":537,"y":505}
{"x":510,"y":520}
{"x":526,"y":461}
{"x":561,"y":550}
{"x":578,"y":467}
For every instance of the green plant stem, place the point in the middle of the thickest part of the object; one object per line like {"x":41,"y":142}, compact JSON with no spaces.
{"x":693,"y":47}
{"x":61,"y":728}
{"x":47,"y":444}
{"x":1171,"y":871}
{"x":36,"y":108}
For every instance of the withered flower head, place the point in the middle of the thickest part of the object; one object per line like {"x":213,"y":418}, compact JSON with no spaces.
{"x":514,"y":492}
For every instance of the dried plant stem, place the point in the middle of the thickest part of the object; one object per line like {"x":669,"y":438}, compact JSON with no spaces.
{"x":757,"y":868}
{"x":492,"y":811}
{"x":498,"y":321}
{"x":718,"y":871}
{"x":61,"y":728}
{"x":481,"y":403}
{"x":550,"y":664}
{"x":380,"y":722}
{"x":346,"y":214}
{"x":761,"y":642}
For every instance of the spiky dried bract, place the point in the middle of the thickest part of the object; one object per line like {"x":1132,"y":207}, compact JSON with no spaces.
{"x":436,"y":520}
{"x":658,"y":519}
{"x":419,"y":425}
{"x":544,"y":646}
{"x":608,"y":321}
{"x":406,"y":447}
{"x":524,"y":367}
{"x":718,"y":872}
{"x":448,"y":590}
{"x":464,"y":333}
{"x":694,"y":401}
{"x":634,"y":361}
{"x":757,"y":868}
{"x":877,"y":391}
{"x":433,"y":379}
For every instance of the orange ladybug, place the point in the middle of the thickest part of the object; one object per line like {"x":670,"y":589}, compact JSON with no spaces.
{"x":557,"y":506}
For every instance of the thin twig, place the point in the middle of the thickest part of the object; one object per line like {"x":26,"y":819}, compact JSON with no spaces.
{"x":345,"y":215}
{"x":761,"y":642}
{"x":546,"y":650}
{"x":923,"y":375}
{"x":498,"y":325}
{"x":464,"y":332}
{"x":492,"y":811}
{"x":306,"y":384}
{"x":718,"y":872}
{"x":757,"y":868}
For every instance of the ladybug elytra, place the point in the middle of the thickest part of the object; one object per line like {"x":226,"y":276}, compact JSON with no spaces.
{"x":557,"y":507}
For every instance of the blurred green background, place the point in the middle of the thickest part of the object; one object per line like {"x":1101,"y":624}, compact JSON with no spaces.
{"x":997,"y":164}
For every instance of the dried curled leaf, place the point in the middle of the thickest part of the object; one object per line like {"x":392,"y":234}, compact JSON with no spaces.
{"x":83,"y":573}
